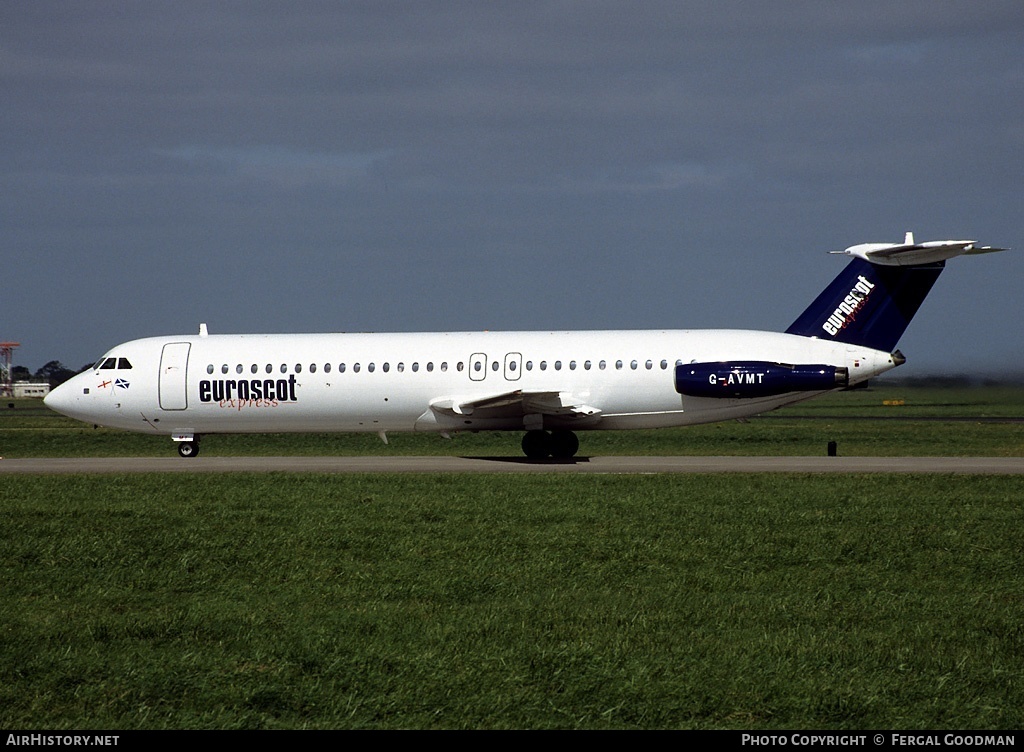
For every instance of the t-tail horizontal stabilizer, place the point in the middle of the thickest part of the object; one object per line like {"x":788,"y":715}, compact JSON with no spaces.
{"x":874,"y":298}
{"x":909,"y":253}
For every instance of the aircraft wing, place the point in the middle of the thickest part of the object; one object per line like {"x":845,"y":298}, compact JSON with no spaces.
{"x":518,"y":403}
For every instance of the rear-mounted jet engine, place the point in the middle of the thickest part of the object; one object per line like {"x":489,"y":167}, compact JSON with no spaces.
{"x":756,"y":378}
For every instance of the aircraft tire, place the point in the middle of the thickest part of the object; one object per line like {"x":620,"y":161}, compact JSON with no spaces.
{"x":564,"y":444}
{"x":537,"y":445}
{"x":188,"y":448}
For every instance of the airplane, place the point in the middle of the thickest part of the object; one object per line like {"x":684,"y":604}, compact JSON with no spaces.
{"x":550,"y":385}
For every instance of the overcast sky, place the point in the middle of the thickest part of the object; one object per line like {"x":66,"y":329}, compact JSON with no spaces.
{"x":394,"y":166}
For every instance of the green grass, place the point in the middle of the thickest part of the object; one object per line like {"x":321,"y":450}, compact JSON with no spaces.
{"x":930,"y":422}
{"x":917,"y":402}
{"x":377,"y":601}
{"x":465,"y":601}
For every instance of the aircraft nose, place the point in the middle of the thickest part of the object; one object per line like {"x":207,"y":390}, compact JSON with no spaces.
{"x":61,"y":399}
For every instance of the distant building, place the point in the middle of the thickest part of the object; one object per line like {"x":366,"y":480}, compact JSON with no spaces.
{"x":31,"y":389}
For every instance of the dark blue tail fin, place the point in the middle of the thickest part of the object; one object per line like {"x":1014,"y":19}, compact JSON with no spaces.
{"x":868,"y":304}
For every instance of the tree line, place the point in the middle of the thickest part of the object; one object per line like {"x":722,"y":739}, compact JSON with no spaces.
{"x":54,"y":373}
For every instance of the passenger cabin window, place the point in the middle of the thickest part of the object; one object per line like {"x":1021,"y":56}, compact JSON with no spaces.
{"x":477,"y":366}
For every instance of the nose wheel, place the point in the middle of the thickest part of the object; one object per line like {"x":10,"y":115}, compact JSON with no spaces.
{"x":539,"y":445}
{"x":188,"y":448}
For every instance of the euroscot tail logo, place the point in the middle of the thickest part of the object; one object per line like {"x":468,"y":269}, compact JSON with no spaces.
{"x":847,"y":310}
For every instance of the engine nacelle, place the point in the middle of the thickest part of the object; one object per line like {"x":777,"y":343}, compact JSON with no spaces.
{"x":733,"y":379}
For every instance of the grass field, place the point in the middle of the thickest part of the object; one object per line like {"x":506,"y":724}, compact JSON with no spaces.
{"x":287,"y":601}
{"x":923,"y":422}
{"x":469,"y":601}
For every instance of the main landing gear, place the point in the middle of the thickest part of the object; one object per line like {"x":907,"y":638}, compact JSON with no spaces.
{"x":539,"y":445}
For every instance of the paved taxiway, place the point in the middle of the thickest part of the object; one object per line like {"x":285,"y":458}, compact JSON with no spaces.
{"x":979,"y":465}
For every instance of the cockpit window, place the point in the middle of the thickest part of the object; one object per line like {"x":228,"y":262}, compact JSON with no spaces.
{"x":109,"y":364}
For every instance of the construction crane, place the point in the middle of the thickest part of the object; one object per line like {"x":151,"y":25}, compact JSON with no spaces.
{"x":6,"y":373}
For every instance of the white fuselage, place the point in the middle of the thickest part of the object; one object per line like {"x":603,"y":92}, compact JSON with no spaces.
{"x":200,"y":384}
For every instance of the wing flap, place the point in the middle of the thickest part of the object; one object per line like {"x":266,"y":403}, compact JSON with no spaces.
{"x":517,"y":403}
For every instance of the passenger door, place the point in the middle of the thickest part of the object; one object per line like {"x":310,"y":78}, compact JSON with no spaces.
{"x":173,"y":368}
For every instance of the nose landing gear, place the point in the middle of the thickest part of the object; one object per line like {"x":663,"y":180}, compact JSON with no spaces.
{"x":189,"y":448}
